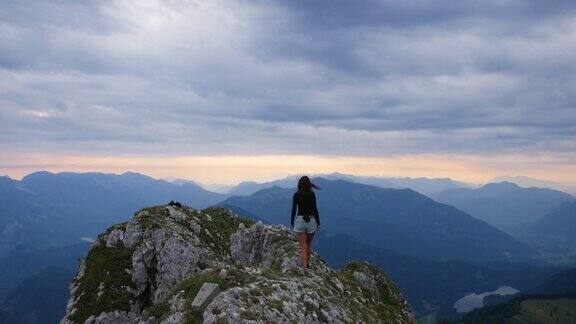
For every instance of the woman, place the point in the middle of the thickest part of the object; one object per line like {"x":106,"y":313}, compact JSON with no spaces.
{"x":307,"y":222}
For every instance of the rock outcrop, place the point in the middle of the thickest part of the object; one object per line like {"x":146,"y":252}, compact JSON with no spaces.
{"x":149,"y":269}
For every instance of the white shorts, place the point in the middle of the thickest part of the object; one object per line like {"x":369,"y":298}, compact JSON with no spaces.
{"x":301,"y":226}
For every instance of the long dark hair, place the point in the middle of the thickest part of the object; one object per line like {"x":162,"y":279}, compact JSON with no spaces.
{"x":304,"y":184}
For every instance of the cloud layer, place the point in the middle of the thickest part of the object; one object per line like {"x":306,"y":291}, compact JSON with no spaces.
{"x":362,"y":78}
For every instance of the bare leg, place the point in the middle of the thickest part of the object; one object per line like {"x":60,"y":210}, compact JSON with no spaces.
{"x":309,"y":238}
{"x":303,"y":250}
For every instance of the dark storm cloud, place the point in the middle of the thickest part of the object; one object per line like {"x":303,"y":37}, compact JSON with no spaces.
{"x":330,"y":14}
{"x":318,"y":77}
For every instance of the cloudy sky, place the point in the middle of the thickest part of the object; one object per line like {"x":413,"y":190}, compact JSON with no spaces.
{"x":221,"y":91}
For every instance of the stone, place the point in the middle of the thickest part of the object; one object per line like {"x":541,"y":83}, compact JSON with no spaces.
{"x":222,"y":274}
{"x":133,"y":234}
{"x":177,"y":215}
{"x":205,"y":295}
{"x":115,"y":237}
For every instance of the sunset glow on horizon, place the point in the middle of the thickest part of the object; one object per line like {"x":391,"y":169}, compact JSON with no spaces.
{"x":234,"y":169}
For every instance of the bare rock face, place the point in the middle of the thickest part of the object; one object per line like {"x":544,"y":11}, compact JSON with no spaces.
{"x":149,"y":270}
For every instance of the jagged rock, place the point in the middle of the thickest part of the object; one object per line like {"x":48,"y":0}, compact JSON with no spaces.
{"x":114,"y":237}
{"x":177,"y":308}
{"x":150,"y":269}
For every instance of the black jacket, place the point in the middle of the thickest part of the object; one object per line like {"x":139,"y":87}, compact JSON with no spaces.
{"x":306,"y":203}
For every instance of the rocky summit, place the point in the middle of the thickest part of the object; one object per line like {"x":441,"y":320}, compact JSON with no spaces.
{"x":176,"y":264}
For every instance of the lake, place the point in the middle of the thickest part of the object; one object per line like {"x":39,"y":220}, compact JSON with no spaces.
{"x":473,"y":300}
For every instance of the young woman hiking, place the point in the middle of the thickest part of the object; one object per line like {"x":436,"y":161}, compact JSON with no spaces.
{"x":306,"y":221}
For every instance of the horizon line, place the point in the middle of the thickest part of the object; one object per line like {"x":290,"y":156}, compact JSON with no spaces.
{"x":320,"y":175}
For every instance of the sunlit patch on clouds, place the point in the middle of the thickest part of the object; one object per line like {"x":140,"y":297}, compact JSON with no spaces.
{"x":324,"y":79}
{"x":36,"y":113}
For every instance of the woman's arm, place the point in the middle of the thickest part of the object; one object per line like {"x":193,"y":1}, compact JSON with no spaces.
{"x":316,"y":211}
{"x":294,"y":203}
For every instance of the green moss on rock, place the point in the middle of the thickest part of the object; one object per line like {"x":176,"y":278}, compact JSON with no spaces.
{"x":103,"y":287}
{"x":387,"y":296}
{"x":159,"y":311}
{"x":274,"y":271}
{"x":218,"y":225}
{"x":192,"y":285}
{"x":249,"y":315}
{"x":152,"y":217}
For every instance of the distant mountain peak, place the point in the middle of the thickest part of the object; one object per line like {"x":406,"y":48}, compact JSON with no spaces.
{"x":132,"y":173}
{"x":38,"y":174}
{"x":528,"y":182}
{"x":6,"y":179}
{"x":502,"y":185}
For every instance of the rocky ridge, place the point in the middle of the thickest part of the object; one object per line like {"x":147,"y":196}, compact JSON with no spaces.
{"x":149,"y":269}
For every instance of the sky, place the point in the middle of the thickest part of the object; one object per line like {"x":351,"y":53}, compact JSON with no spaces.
{"x":223,"y":91}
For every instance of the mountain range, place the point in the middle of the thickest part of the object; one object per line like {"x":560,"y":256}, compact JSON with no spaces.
{"x":552,"y":235}
{"x":424,"y":186}
{"x":435,"y":252}
{"x":528,"y":182}
{"x":541,"y":218}
{"x":559,"y":223}
{"x":504,"y":204}
{"x":401,"y":220}
{"x":46,"y":209}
